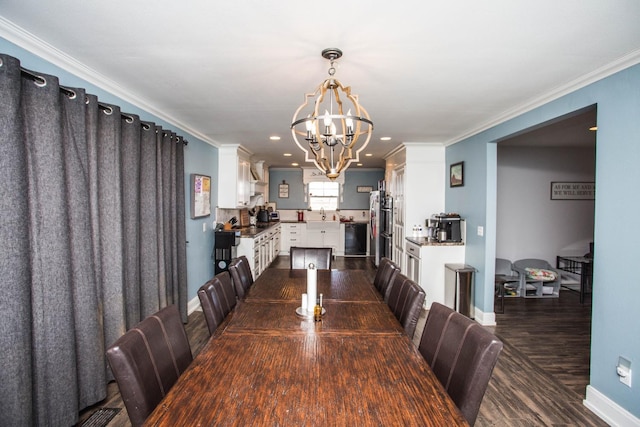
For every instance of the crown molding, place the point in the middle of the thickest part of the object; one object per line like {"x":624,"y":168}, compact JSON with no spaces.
{"x":42,"y":49}
{"x":607,"y":70}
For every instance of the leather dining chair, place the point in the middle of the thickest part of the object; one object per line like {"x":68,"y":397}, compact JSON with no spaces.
{"x":462,"y":354}
{"x":387,"y":271}
{"x":241,"y":275}
{"x":217,"y":298}
{"x":405,"y":299}
{"x":148,"y":359}
{"x":300,"y":257}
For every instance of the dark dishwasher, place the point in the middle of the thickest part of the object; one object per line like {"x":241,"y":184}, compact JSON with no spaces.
{"x":355,"y":239}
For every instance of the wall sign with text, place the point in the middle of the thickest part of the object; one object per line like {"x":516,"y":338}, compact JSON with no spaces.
{"x":573,"y":191}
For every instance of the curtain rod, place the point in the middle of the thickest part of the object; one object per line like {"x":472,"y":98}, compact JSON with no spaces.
{"x":41,"y":81}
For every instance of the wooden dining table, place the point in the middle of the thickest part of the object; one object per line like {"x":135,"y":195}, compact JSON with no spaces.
{"x":268,"y":366}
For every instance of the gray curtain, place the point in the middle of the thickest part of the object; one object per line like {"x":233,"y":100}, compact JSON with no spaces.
{"x":92,"y":234}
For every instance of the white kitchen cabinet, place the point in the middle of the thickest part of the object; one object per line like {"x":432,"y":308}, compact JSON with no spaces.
{"x":321,"y":234}
{"x":234,"y":177}
{"x":397,"y":191}
{"x":293,"y":234}
{"x":425,"y":265}
{"x":261,"y":249}
{"x":416,"y":174}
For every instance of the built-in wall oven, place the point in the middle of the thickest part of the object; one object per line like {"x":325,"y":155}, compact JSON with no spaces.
{"x":386,"y":226}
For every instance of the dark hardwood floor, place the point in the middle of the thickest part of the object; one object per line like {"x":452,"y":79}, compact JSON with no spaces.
{"x":541,"y":375}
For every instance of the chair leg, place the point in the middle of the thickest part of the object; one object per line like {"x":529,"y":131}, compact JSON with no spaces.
{"x":500,"y":285}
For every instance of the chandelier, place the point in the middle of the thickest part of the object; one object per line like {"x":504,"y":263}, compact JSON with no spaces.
{"x":330,"y":123}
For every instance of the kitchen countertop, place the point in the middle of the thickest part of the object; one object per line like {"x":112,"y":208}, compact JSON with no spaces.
{"x":316,"y":221}
{"x":251,"y":232}
{"x":423,"y":241}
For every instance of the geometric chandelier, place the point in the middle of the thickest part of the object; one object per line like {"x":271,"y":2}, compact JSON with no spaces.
{"x":330,"y":123}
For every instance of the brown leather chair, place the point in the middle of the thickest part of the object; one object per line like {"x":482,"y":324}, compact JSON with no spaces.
{"x":241,"y":275}
{"x":217,"y":298}
{"x":387,"y":271}
{"x":302,"y":257}
{"x":405,"y":299}
{"x":462,"y":354}
{"x":148,"y":359}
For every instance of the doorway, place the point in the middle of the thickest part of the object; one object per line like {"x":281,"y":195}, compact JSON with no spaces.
{"x":530,"y":223}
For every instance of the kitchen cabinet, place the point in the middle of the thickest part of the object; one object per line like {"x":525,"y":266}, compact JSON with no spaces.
{"x":425,"y":264}
{"x":397,"y":191}
{"x":234,"y":177}
{"x":416,"y":180}
{"x":293,"y":234}
{"x":261,"y":249}
{"x":321,"y":234}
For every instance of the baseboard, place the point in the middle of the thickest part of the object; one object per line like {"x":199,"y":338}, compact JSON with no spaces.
{"x":193,"y":305}
{"x":610,"y":412}
{"x":485,"y":319}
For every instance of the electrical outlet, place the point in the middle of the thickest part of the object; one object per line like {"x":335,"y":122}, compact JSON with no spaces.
{"x":204,"y":227}
{"x":480,"y":230}
{"x":624,"y":371}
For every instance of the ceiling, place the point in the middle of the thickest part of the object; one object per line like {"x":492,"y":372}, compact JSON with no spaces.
{"x":426,"y":71}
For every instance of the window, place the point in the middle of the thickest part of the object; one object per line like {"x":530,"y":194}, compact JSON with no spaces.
{"x":324,"y":195}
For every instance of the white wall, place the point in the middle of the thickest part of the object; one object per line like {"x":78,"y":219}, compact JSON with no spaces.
{"x":529,"y":223}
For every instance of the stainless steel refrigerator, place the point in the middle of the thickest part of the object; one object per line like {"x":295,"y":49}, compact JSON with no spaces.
{"x":374,"y":228}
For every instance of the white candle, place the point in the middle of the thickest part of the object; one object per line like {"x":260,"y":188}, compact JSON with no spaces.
{"x":312,"y":287}
{"x":304,"y":301}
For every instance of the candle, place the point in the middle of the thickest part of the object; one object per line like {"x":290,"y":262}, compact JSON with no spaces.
{"x":312,"y":287}
{"x":304,"y":301}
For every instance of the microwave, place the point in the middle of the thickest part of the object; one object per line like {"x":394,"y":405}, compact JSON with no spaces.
{"x":274,"y":216}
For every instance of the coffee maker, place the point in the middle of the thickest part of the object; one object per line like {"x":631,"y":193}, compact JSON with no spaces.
{"x":448,"y":227}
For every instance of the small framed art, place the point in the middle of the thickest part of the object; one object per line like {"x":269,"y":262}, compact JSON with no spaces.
{"x":456,"y":174}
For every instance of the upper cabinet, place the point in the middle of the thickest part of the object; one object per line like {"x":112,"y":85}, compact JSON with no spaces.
{"x":234,"y":182}
{"x":240,"y":181}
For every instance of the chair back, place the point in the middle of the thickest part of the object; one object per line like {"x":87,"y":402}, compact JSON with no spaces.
{"x":505,"y":267}
{"x":532,"y":263}
{"x":217,"y":298}
{"x":387,"y":271}
{"x":241,"y":275}
{"x":405,"y":299}
{"x":302,"y":257}
{"x":462,"y":354}
{"x":148,"y":359}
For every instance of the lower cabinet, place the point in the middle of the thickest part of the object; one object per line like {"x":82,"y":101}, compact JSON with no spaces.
{"x":315,"y":234}
{"x":425,"y":265}
{"x":293,"y":234}
{"x":261,"y":249}
{"x":326,"y":235}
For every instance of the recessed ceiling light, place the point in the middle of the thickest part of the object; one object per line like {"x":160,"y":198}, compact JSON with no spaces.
{"x":287,"y":154}
{"x":274,"y":138}
{"x":368,"y":154}
{"x":294,"y":164}
{"x":385,"y":138}
{"x":593,"y":128}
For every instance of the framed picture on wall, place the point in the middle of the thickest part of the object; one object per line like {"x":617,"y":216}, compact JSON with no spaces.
{"x":200,"y":195}
{"x":283,"y":191}
{"x":456,"y":175}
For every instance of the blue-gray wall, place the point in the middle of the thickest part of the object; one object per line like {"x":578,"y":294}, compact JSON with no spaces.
{"x":353,"y":178}
{"x":616,"y":293}
{"x":200,"y":157}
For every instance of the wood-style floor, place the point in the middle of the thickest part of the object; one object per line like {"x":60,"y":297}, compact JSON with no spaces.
{"x":541,"y":375}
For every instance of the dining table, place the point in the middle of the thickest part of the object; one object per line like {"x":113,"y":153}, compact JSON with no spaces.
{"x":268,"y":366}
